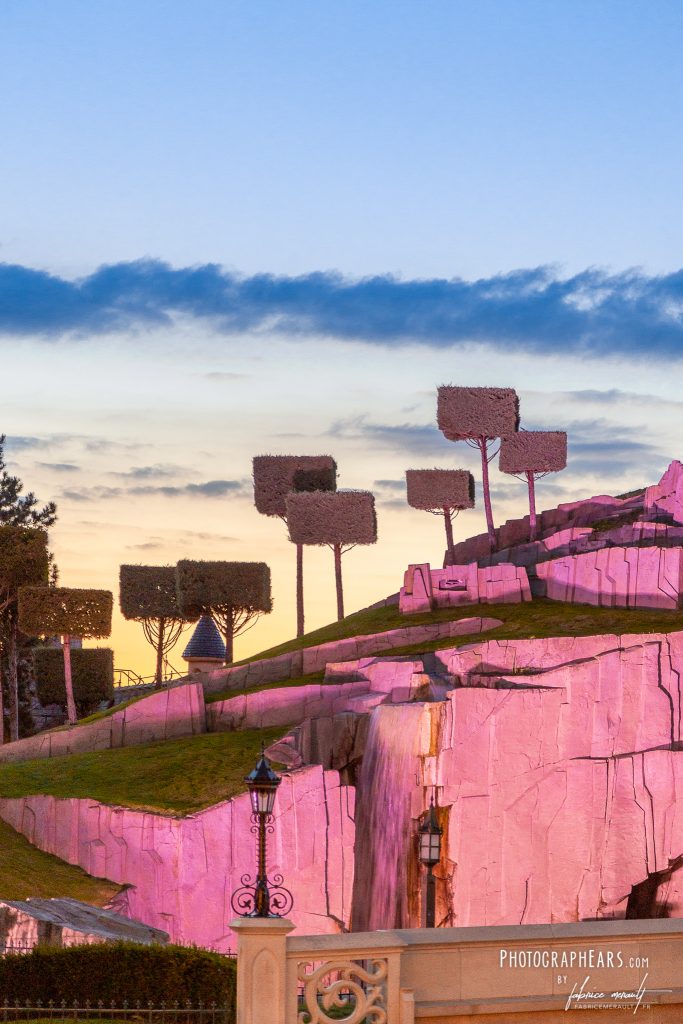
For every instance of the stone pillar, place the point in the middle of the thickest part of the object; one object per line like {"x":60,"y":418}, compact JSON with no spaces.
{"x":261,"y":969}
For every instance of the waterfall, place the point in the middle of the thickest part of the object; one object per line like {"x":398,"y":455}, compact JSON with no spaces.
{"x":389,"y":778}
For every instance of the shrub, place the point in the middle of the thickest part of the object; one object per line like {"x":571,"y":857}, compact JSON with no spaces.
{"x":276,"y":475}
{"x":437,"y":489}
{"x":534,"y":451}
{"x":92,"y":673}
{"x":148,"y":592}
{"x":64,"y":611}
{"x":117,"y":972}
{"x":340,"y":517}
{"x":477,"y":412}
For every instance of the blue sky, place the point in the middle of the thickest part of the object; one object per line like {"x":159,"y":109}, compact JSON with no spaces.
{"x":236,"y":228}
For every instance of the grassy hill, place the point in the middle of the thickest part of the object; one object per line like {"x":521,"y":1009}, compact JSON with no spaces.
{"x":173,"y":777}
{"x":27,"y":871}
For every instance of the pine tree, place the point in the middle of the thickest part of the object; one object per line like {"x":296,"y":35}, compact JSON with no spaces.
{"x":17,"y":509}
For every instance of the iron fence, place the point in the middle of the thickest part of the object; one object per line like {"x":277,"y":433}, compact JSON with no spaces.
{"x":135,"y":1012}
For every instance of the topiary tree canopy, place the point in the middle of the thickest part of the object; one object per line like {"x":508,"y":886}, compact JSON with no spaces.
{"x":92,"y":676}
{"x":441,"y":491}
{"x":65,"y":612}
{"x":276,"y":476}
{"x":24,"y":559}
{"x":235,"y":594}
{"x":148,"y":594}
{"x":533,"y":454}
{"x":479,"y":416}
{"x":341,"y":520}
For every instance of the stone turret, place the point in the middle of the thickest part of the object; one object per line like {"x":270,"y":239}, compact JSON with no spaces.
{"x":206,"y":650}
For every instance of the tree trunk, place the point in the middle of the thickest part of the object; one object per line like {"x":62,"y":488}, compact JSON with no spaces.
{"x":68,"y":682}
{"x":449,"y":535}
{"x":13,"y":678}
{"x":532,"y":506}
{"x":299,"y":590}
{"x":2,"y":698}
{"x":338,"y":580}
{"x":160,"y":656}
{"x":483,"y":447}
{"x":229,"y":638}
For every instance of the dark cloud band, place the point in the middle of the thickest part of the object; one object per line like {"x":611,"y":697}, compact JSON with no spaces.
{"x":592,"y":313}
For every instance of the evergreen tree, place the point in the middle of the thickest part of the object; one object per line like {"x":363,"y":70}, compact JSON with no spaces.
{"x":17,"y":509}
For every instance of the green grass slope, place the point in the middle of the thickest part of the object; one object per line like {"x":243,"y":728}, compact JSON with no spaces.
{"x":540,"y":617}
{"x":27,"y":871}
{"x":171,"y":777}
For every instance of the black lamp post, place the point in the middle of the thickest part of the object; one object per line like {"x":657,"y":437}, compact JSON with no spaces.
{"x":429,"y":837}
{"x":264,"y":897}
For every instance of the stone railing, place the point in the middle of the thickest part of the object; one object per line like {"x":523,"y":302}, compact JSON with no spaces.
{"x":462,"y":975}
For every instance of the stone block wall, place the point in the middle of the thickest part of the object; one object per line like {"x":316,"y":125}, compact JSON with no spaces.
{"x":176,"y":711}
{"x":183,"y":871}
{"x":632,"y":577}
{"x":427,"y":589}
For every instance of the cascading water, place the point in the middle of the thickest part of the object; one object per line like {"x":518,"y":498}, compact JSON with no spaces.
{"x":388,"y":780}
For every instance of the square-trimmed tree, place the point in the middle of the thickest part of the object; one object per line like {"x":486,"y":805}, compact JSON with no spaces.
{"x":24,"y":560}
{"x":148,"y":594}
{"x":234,"y":594}
{"x":65,"y":612}
{"x":275,"y":476}
{"x":479,"y":416}
{"x":531,"y":455}
{"x":441,"y":491}
{"x":340,"y":520}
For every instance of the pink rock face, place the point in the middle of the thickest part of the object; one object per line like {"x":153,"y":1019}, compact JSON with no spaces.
{"x":617,"y":577}
{"x":177,"y":711}
{"x":428,"y":589}
{"x":315,"y":659}
{"x":184,"y":870}
{"x":557,"y":766}
{"x":667,"y":495}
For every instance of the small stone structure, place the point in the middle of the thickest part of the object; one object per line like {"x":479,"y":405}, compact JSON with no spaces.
{"x":206,"y":651}
{"x":67,"y":922}
{"x":425,"y":589}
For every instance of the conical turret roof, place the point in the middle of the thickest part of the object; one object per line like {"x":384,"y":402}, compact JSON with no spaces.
{"x":206,"y":641}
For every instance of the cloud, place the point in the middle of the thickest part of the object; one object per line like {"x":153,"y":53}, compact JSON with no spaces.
{"x":209,"y":489}
{"x":60,"y":467}
{"x":416,"y":438}
{"x":593,"y":313}
{"x":150,"y":472}
{"x":217,"y":375}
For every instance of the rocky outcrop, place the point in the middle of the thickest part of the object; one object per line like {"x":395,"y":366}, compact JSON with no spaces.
{"x":667,"y":495}
{"x":634,"y":577}
{"x":557,"y":765}
{"x":183,"y":871}
{"x":170,"y":713}
{"x":314,"y":659}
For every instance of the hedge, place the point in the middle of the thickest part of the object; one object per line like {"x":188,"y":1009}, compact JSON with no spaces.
{"x":437,"y":489}
{"x":148,"y":592}
{"x":534,"y":451}
{"x":211,"y":585}
{"x":23,"y":557}
{"x":341,"y":517}
{"x":92,"y":673}
{"x":60,"y":611}
{"x":477,"y":412}
{"x":117,"y":972}
{"x":276,"y":475}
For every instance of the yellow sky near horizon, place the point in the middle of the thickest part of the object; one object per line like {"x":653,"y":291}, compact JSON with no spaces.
{"x":128,"y":434}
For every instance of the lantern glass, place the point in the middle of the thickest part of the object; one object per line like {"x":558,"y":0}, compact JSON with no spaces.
{"x":262,"y":798}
